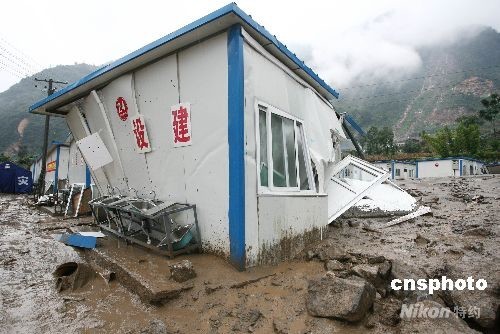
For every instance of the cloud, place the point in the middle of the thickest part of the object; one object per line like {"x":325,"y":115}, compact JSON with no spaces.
{"x":386,"y":44}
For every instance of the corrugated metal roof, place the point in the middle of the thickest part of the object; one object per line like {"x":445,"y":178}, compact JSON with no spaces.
{"x":212,"y":23}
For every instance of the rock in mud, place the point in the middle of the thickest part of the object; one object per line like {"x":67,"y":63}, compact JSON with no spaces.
{"x":401,"y":270}
{"x":333,"y":297}
{"x":155,"y":327}
{"x":431,"y":324}
{"x":372,"y":259}
{"x":247,"y":321}
{"x":333,"y":253}
{"x":334,"y":265}
{"x":182,"y":271}
{"x":388,"y":311}
{"x":420,"y":240}
{"x":321,"y":326}
{"x":280,"y":326}
{"x":478,"y":231}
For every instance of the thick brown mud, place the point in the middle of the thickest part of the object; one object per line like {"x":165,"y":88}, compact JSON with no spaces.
{"x":461,"y":238}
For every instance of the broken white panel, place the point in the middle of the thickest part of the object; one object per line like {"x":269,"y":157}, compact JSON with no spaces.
{"x":422,"y":210}
{"x":344,"y":189}
{"x":94,"y":151}
{"x":386,"y":197}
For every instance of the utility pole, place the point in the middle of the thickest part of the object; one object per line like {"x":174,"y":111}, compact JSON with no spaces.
{"x":41,"y":178}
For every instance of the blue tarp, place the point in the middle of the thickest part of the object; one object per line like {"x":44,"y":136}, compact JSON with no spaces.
{"x":15,"y":179}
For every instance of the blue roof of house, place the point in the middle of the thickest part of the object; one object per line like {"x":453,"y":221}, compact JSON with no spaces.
{"x":413,"y":161}
{"x":68,"y":94}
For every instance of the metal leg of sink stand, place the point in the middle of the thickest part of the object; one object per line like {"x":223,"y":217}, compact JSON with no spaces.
{"x":163,"y":241}
{"x":119,"y":222}
{"x":145,"y":232}
{"x":168,"y":230}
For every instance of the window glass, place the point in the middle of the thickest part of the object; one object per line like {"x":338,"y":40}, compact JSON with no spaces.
{"x":289,"y":131}
{"x":398,"y":172}
{"x":278,"y":151}
{"x":304,"y":181}
{"x":263,"y":149}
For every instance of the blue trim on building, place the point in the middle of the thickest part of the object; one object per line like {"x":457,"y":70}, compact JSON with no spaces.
{"x":416,"y":169}
{"x":88,"y":177}
{"x":392,"y":169}
{"x":461,"y":166}
{"x":231,"y":8}
{"x":236,"y":141}
{"x":56,"y":174}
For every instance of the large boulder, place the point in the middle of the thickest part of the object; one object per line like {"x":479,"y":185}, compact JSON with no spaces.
{"x":332,"y":297}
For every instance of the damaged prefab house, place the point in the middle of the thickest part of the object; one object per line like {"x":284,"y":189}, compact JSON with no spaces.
{"x":221,"y":115}
{"x":65,"y":166}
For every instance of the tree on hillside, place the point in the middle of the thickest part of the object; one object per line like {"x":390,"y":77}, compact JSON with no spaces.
{"x":379,"y":141}
{"x":412,"y":145}
{"x":4,"y":158}
{"x":24,"y":159}
{"x":491,"y":109}
{"x":465,"y":139}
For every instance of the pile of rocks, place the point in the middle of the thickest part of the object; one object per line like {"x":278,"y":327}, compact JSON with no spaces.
{"x":356,"y":289}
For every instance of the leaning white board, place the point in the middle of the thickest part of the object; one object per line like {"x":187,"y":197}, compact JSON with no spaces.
{"x":94,"y":151}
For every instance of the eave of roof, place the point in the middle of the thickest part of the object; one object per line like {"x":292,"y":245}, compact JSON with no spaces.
{"x":206,"y":26}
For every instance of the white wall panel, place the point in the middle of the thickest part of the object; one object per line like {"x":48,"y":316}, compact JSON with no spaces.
{"x":203,"y":80}
{"x":134,"y":164}
{"x":156,"y":90}
{"x":97,"y":119}
{"x":76,"y":170}
{"x":271,"y":219}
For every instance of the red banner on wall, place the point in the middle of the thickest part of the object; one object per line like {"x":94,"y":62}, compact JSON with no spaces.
{"x":51,"y":166}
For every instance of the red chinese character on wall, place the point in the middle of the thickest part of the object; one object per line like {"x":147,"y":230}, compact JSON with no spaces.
{"x":181,"y":124}
{"x":141,"y":135}
{"x":122,"y":108}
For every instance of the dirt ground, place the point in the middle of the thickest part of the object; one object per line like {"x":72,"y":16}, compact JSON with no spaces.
{"x":460,"y":239}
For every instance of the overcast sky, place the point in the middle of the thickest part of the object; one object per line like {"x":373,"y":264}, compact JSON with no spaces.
{"x":339,"y":39}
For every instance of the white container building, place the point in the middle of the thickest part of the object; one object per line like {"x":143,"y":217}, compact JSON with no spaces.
{"x":452,"y":166}
{"x":400,"y":170}
{"x":222,"y":115}
{"x":65,"y":166}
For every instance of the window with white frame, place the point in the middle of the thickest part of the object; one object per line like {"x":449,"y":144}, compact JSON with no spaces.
{"x":283,"y":160}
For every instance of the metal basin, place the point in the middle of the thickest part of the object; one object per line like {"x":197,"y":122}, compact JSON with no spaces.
{"x":142,"y":205}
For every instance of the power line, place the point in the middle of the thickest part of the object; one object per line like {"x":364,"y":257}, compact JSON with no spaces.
{"x":417,"y":78}
{"x":20,"y":52}
{"x":30,"y":66}
{"x":7,"y":66}
{"x":11,"y":72}
{"x":16,"y":64}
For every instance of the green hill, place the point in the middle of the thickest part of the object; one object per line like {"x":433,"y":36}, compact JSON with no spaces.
{"x":20,"y":130}
{"x":450,"y":83}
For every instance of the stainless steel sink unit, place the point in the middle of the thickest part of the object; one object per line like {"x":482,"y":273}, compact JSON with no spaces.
{"x":99,"y":207}
{"x":170,"y":228}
